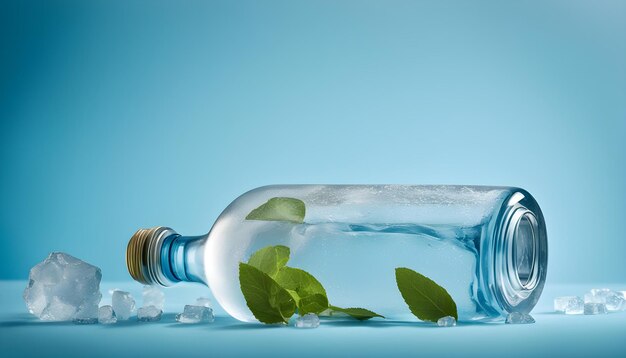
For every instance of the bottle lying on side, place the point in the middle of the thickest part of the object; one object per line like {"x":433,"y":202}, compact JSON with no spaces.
{"x":364,"y":251}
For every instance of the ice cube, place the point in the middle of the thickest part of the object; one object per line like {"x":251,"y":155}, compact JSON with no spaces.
{"x":623,"y":293}
{"x":614,"y":302}
{"x":309,"y":320}
{"x":195,"y":314}
{"x":123,"y":304}
{"x":569,"y":305}
{"x":153,"y":296}
{"x":560,"y":303}
{"x":595,"y":308}
{"x":149,"y":314}
{"x":61,"y":287}
{"x":447,"y":321}
{"x":203,"y":301}
{"x":106,"y":315}
{"x":519,"y":318}
{"x":575,"y":306}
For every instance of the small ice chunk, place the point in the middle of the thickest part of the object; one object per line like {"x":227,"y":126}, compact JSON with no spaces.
{"x":560,"y":303}
{"x":106,"y":315}
{"x":123,"y":304}
{"x":204,"y":302}
{"x":623,"y":293}
{"x":615,"y":302}
{"x":153,"y":296}
{"x":568,"y":305}
{"x":149,"y":314}
{"x":309,"y":320}
{"x":447,"y":321}
{"x":595,"y":308}
{"x":195,"y":314}
{"x":519,"y":318}
{"x":61,"y":287}
{"x":575,"y":306}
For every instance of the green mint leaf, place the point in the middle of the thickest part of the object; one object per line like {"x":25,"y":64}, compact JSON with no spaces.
{"x":361,"y":314}
{"x":310,"y":294}
{"x":295,"y":296}
{"x":270,"y":259}
{"x":268,"y":302}
{"x":279,"y":209}
{"x":427,"y":300}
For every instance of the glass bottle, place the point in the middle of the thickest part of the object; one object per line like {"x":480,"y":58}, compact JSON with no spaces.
{"x":487,"y":246}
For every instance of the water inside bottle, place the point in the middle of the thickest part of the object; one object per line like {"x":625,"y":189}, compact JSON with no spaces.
{"x":356,"y":263}
{"x":353,"y":239}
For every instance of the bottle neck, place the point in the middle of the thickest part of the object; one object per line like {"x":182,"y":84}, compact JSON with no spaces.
{"x":160,"y":256}
{"x":182,"y":258}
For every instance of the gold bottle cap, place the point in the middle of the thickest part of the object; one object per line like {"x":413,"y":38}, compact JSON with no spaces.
{"x":143,"y":255}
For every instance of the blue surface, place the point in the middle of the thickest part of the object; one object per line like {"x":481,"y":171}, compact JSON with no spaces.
{"x":553,"y":335}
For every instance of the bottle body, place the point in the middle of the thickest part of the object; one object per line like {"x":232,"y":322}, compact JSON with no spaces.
{"x":486,"y":246}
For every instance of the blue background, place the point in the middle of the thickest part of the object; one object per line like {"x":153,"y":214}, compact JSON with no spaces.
{"x":116,"y":115}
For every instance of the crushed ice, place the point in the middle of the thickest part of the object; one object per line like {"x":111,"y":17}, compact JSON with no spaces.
{"x":309,"y":320}
{"x":195,"y":314}
{"x":595,"y":301}
{"x":447,"y":321}
{"x":149,"y":314}
{"x":106,"y":315}
{"x":123,"y":304}
{"x":519,"y":318}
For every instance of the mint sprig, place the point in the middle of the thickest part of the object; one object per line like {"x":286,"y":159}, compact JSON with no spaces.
{"x":427,"y":300}
{"x":274,"y":292}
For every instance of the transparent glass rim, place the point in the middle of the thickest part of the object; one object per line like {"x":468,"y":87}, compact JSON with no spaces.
{"x":519,"y":255}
